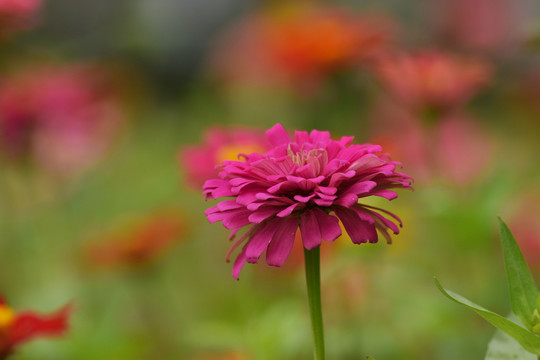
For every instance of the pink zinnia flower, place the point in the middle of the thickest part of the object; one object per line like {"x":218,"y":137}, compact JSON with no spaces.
{"x":310,"y":182}
{"x":433,"y":79}
{"x":219,"y":144}
{"x":17,"y":14}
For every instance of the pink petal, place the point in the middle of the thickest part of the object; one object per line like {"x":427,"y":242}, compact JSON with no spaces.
{"x":307,"y":171}
{"x":387,"y":223}
{"x":311,"y":234}
{"x":303,"y":199}
{"x":239,"y":264}
{"x":364,"y":215}
{"x":359,"y":231}
{"x":362,"y":187}
{"x":386,"y":212}
{"x":277,"y":135}
{"x":387,"y":194}
{"x":323,"y":203}
{"x":319,"y":137}
{"x":235,"y":219}
{"x":301,"y":137}
{"x":282,"y":241}
{"x":328,"y":225}
{"x":259,"y":241}
{"x":288,"y":211}
{"x":228,"y":205}
{"x":263,"y":214}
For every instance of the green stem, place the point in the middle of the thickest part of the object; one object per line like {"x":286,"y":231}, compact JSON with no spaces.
{"x":313,"y":281}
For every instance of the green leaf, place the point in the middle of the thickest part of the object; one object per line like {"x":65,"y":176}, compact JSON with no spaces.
{"x":503,"y":347}
{"x":523,"y":292}
{"x":527,"y":339}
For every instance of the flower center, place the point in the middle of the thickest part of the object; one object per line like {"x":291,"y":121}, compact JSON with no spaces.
{"x":318,"y":158}
{"x":230,"y":152}
{"x":7,"y":315}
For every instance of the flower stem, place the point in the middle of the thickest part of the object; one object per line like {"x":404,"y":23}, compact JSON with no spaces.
{"x":313,"y":281}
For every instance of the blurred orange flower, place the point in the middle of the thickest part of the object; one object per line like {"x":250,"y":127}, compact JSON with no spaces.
{"x":297,"y":46}
{"x":17,"y":328}
{"x":140,"y":242}
{"x":433,"y":79}
{"x":223,"y":356}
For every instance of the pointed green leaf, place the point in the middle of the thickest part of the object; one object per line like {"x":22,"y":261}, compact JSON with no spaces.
{"x":527,"y":339}
{"x":523,"y":292}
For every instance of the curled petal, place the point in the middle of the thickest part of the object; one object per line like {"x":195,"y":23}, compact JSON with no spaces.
{"x":359,"y":231}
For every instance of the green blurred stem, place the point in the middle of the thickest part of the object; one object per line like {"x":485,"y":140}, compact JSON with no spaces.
{"x":313,"y":281}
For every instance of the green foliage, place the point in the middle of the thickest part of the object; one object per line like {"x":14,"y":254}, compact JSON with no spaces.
{"x":526,"y":338}
{"x":523,"y":297}
{"x":503,"y":347}
{"x":523,"y":292}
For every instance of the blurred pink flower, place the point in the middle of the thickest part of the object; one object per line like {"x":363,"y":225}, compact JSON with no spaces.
{"x":297,"y":46}
{"x":17,"y":14}
{"x":455,"y":148}
{"x":432,"y":79}
{"x":64,"y":118}
{"x":219,"y":144}
{"x":483,"y":25}
{"x":312,"y":182}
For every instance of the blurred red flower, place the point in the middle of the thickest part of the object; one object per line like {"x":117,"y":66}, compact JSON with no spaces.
{"x":433,"y":80}
{"x":63,"y":118}
{"x":199,"y":162}
{"x":17,"y":14}
{"x":17,"y":328}
{"x":297,"y":46}
{"x":139,"y":242}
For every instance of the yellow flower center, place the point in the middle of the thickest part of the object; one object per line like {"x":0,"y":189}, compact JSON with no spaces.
{"x":7,"y":315}
{"x":230,"y":152}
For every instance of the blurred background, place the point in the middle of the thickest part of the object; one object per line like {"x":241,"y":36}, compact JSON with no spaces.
{"x":114,"y":113}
